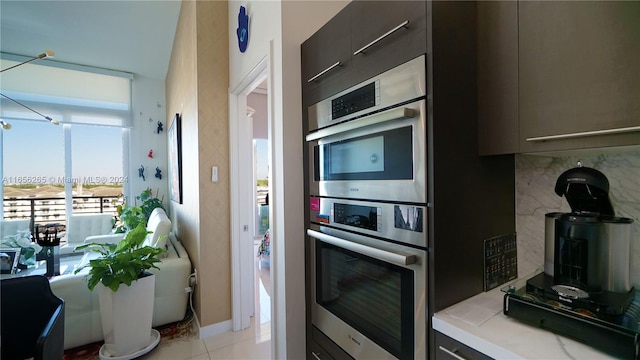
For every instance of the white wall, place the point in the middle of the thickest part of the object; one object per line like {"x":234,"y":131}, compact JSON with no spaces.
{"x":277,"y":29}
{"x":258,"y":102}
{"x":148,"y":103}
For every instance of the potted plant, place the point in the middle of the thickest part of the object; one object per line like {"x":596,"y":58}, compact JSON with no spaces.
{"x":125,"y":291}
{"x":131,"y":216}
{"x":149,"y":202}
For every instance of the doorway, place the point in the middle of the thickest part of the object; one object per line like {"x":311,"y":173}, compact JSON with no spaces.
{"x":257,"y":111}
{"x":250,"y":154}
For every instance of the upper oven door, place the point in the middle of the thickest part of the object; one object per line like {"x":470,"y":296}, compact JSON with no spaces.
{"x":376,"y":157}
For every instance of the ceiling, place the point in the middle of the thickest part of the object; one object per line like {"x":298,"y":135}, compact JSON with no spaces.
{"x":131,"y":36}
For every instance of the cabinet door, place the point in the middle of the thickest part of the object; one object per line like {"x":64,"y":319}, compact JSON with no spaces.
{"x":394,"y":31}
{"x":316,"y":352}
{"x":498,"y":77}
{"x":327,"y":54}
{"x":579,"y":71}
{"x":321,"y":347}
{"x":450,"y":349}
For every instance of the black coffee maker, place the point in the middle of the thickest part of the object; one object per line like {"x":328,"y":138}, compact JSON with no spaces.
{"x":587,"y":251}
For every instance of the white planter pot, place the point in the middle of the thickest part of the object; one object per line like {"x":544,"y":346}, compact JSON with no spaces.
{"x":126,"y":316}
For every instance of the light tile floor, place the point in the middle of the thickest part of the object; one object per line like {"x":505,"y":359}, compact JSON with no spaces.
{"x":251,"y":343}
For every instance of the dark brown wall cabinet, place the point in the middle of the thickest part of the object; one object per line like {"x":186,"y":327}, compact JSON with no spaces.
{"x":578,"y":79}
{"x":470,"y":198}
{"x":327,"y":55}
{"x":361,"y":41}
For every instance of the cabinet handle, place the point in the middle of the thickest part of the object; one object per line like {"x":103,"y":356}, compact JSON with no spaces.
{"x":451,"y":353}
{"x":586,"y":133}
{"x":316,"y":356}
{"x":324,"y":71}
{"x":403,"y":25}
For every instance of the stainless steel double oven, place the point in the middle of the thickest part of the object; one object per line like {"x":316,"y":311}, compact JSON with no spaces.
{"x":368,"y":229}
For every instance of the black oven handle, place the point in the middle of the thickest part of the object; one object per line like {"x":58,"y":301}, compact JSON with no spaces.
{"x":389,"y":115}
{"x":386,"y":256}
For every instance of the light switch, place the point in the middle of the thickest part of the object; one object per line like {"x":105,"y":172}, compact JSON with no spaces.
{"x":214,"y":174}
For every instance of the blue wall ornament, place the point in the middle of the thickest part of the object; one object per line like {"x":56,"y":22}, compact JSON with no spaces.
{"x":243,"y":29}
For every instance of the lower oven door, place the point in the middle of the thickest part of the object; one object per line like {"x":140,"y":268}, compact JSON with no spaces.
{"x":368,"y":294}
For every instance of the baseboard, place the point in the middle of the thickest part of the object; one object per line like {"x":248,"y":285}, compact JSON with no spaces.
{"x":214,"y":329}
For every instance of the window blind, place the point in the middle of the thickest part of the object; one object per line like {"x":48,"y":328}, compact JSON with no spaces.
{"x":67,"y":95}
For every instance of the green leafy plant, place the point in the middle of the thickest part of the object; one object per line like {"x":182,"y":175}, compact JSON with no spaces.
{"x":121,"y":263}
{"x":149,"y":202}
{"x":131,"y":216}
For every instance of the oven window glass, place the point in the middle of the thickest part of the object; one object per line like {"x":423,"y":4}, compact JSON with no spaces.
{"x":386,"y":155}
{"x":372,"y":296}
{"x":357,"y":156}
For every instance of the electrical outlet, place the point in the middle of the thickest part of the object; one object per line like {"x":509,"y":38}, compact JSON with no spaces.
{"x":193,"y":281}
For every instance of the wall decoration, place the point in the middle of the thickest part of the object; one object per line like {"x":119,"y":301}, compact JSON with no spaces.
{"x":175,"y":159}
{"x":243,"y":29}
{"x":159,"y":128}
{"x":158,"y":173}
{"x":150,"y":154}
{"x":141,"y":172}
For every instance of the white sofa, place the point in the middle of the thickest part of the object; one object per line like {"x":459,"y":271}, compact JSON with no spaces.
{"x":11,"y":227}
{"x":158,"y":223}
{"x":82,"y":309}
{"x":80,"y":226}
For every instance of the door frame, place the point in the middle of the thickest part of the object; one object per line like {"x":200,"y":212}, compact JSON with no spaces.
{"x":242,"y":206}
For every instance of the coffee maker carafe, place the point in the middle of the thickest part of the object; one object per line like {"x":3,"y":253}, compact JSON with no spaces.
{"x":587,"y":251}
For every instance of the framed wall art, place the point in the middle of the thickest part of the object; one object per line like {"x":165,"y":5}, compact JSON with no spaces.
{"x":175,"y":159}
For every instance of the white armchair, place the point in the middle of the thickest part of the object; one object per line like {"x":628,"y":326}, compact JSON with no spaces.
{"x":11,"y":227}
{"x":81,"y":226}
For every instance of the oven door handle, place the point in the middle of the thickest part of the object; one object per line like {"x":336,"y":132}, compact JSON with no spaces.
{"x":389,"y":115}
{"x":386,"y":256}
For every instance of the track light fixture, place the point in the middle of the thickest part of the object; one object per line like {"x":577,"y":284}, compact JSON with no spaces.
{"x":47,"y":54}
{"x":51,"y":120}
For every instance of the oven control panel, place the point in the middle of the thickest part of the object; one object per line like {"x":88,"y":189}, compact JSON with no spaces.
{"x":500,"y":260}
{"x":363,"y":217}
{"x":390,"y":221}
{"x":357,"y":100}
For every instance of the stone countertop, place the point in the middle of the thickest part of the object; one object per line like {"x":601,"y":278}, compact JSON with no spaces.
{"x":478,"y":322}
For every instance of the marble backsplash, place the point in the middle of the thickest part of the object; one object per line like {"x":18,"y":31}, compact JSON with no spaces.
{"x":535,"y":181}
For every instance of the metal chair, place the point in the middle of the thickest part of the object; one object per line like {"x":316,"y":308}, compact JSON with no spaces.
{"x":32,"y":323}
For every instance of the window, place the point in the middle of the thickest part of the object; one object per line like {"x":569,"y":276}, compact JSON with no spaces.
{"x":49,"y":171}
{"x":97,"y":170}
{"x":33,"y":161}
